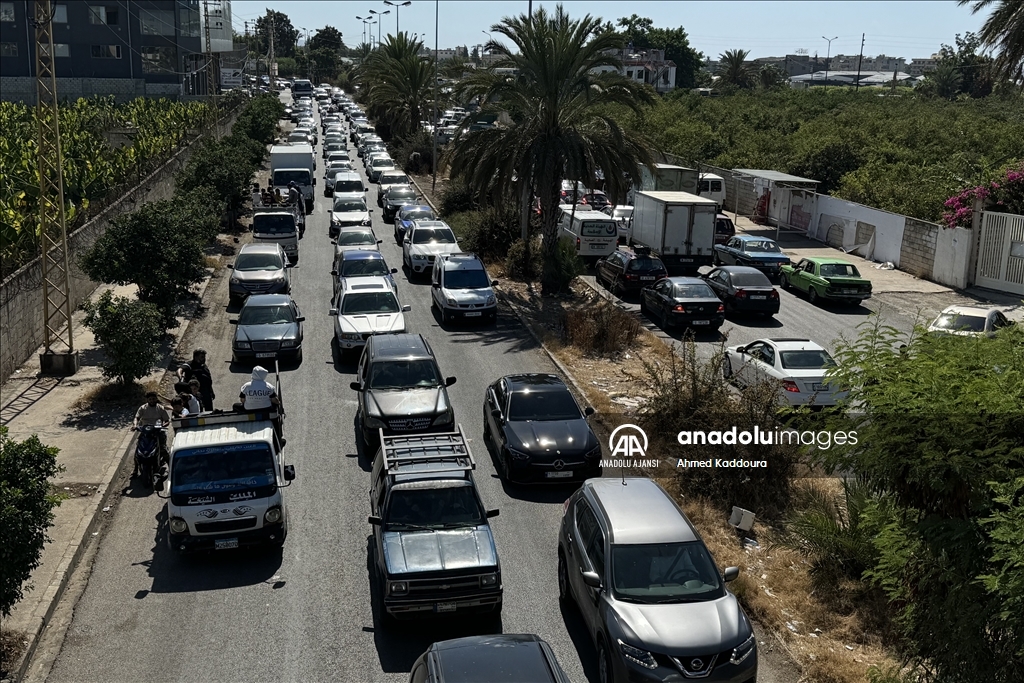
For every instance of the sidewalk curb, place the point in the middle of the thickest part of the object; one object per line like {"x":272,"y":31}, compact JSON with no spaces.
{"x":55,"y":591}
{"x":423,"y":194}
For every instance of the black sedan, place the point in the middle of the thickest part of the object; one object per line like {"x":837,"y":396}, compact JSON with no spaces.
{"x":538,"y":430}
{"x":269,"y":327}
{"x":744,"y":289}
{"x":747,"y":250}
{"x":629,"y":271}
{"x":682,"y":302}
{"x":397,"y":197}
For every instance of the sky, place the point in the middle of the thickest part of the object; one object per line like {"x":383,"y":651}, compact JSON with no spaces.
{"x":899,"y":29}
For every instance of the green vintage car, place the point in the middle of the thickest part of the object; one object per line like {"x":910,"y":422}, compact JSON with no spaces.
{"x":826,"y":278}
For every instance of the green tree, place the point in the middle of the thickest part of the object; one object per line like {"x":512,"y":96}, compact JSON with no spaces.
{"x":397,"y":82}
{"x":735,"y":70}
{"x":325,"y":63}
{"x":943,"y":82}
{"x":938,"y":425}
{"x":129,"y":333}
{"x":641,"y":33}
{"x":974,"y":70}
{"x":769,"y":76}
{"x":560,"y":125}
{"x":26,"y":511}
{"x":226,"y":165}
{"x":1004,"y":29}
{"x":328,"y":37}
{"x":286,"y":36}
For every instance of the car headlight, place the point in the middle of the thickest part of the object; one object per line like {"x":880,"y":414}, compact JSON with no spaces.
{"x":235,"y":281}
{"x":593,"y":453}
{"x":289,"y":343}
{"x":178,"y":525}
{"x":419,"y":257}
{"x":519,"y":455}
{"x":351,"y":336}
{"x":242,"y":345}
{"x":272,"y":515}
{"x":638,"y":656}
{"x":373,"y":423}
{"x":450,"y":301}
{"x":743,"y":650}
{"x":489,"y":580}
{"x":491,"y":300}
{"x":444,"y":418}
{"x":398,"y":587}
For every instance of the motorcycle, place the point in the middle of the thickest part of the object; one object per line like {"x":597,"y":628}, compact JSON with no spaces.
{"x":147,"y":453}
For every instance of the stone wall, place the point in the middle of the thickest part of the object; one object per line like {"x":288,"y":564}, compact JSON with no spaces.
{"x":23,"y":89}
{"x":917,"y":253}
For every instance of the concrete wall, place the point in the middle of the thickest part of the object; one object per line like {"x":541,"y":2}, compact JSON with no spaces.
{"x":885,"y":228}
{"x":952,"y":261}
{"x":917,"y":253}
{"x":22,"y":89}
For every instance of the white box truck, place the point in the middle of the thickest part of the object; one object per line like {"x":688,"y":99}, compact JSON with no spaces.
{"x":678,"y":226}
{"x":665,"y":178}
{"x":296,"y":163}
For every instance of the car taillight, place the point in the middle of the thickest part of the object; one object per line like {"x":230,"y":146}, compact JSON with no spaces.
{"x":721,"y":308}
{"x":679,"y":308}
{"x":741,"y":294}
{"x":630,"y":276}
{"x":577,"y":243}
{"x":790,"y":385}
{"x":775,"y":294}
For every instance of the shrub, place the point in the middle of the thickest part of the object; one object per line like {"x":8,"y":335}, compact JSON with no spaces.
{"x":26,"y":511}
{"x":601,"y":329}
{"x":489,"y":233}
{"x":516,"y":265}
{"x":456,"y":198}
{"x":227,"y":166}
{"x":128,"y":331}
{"x":416,"y":154}
{"x":568,"y":265}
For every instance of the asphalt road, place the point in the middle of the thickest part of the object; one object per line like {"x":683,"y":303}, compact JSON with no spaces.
{"x":306,"y":614}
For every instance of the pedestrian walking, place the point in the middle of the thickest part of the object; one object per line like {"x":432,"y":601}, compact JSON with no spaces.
{"x":197,"y":368}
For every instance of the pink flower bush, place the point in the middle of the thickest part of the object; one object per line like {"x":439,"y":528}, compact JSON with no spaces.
{"x":1005,"y":195}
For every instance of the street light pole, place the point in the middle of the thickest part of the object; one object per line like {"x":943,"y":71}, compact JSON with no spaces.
{"x":433,"y":159}
{"x":827,"y":57}
{"x":362,"y":19}
{"x":379,"y":15}
{"x":397,"y":5}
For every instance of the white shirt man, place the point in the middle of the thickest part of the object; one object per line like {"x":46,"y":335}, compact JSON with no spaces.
{"x":258,"y":393}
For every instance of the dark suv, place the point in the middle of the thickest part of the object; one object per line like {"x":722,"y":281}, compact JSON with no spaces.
{"x":401,"y":389}
{"x":434,"y":552}
{"x":630,"y":271}
{"x":510,"y":658}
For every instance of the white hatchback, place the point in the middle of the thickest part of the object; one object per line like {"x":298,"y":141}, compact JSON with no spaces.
{"x":799,"y":366}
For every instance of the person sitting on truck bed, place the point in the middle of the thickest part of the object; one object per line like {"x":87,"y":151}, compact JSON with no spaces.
{"x":295,"y":199}
{"x":259,"y":394}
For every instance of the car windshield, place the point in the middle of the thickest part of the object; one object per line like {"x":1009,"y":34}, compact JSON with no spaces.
{"x":249,"y":262}
{"x":343,"y":186}
{"x":435,"y":508}
{"x":361,"y":303}
{"x":958,"y":321}
{"x":839,"y":270}
{"x":761,"y":246}
{"x":438,"y":235}
{"x":280,"y":314}
{"x":404,"y":374}
{"x":285,"y":177}
{"x":752,"y":278}
{"x":543,"y":406}
{"x":806,"y":360}
{"x":645,"y":263}
{"x":466,"y":279}
{"x":222,"y":468}
{"x":364,"y":267}
{"x":402,"y":194}
{"x":350,"y":238}
{"x":622,"y":213}
{"x":349,"y":205}
{"x":271,"y":224}
{"x":389,"y":179}
{"x":417,"y":215}
{"x":694,"y":291}
{"x":381,"y":162}
{"x":664,"y":572}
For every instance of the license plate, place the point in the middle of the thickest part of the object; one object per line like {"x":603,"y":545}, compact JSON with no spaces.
{"x":265,"y":355}
{"x":474,"y":314}
{"x":598,"y":246}
{"x":701,"y":322}
{"x":849,"y":291}
{"x":564,"y":474}
{"x":444,"y":607}
{"x":820,"y":387}
{"x":225,"y":543}
{"x":686,"y":260}
{"x":759,"y":297}
{"x":646,"y":277}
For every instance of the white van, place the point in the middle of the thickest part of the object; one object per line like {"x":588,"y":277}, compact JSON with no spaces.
{"x":592,"y":233}
{"x":713,"y":187}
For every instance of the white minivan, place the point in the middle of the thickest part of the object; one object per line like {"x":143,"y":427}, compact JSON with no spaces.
{"x":593,"y":234}
{"x":713,"y":187}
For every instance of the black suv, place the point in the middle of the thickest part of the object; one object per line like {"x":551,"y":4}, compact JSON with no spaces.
{"x":630,"y":271}
{"x":520,"y":658}
{"x":401,"y":388}
{"x":434,"y":552}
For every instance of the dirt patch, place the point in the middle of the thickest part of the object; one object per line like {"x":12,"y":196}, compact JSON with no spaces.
{"x":12,"y":646}
{"x":66,"y":490}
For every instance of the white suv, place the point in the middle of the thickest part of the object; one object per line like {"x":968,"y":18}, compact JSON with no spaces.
{"x":425,"y":241}
{"x":363,"y":307}
{"x":461,"y":288}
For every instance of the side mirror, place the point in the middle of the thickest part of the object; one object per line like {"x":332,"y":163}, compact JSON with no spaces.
{"x":589,"y":411}
{"x":394,"y":270}
{"x":494,"y":283}
{"x":334,"y":272}
{"x":374,"y":520}
{"x":435,"y":285}
{"x":370,"y":210}
{"x":333,"y":312}
{"x":289,"y":472}
{"x":334,"y":242}
{"x":300,"y":319}
{"x":448,"y":381}
{"x":591,"y":579}
{"x":731,"y":573}
{"x":380,"y":241}
{"x":232,"y":322}
{"x":493,"y":513}
{"x":406,"y":308}
{"x":355,"y":386}
{"x":163,"y":492}
{"x":231,"y":265}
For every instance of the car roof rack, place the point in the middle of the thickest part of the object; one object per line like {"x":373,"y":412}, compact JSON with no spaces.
{"x":788,"y":339}
{"x":218,"y":417}
{"x":439,"y":447}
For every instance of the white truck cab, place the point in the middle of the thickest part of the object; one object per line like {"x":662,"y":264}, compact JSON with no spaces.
{"x":224,"y":489}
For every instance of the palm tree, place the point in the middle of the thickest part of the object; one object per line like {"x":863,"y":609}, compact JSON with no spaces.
{"x":1004,"y":28}
{"x":396,"y":82}
{"x":558,"y":124}
{"x":769,"y":76}
{"x":736,"y":70}
{"x":944,"y":82}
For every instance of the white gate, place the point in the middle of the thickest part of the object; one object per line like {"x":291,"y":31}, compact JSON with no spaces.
{"x":1001,"y":253}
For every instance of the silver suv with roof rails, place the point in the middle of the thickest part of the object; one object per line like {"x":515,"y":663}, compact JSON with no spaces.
{"x":460,"y":288}
{"x":651,"y":597}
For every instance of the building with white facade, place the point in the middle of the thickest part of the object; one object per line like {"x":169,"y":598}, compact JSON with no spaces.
{"x":221,"y":34}
{"x":922,"y":66}
{"x":647,"y":66}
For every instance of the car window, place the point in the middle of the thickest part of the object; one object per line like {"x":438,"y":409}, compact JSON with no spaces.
{"x":417,"y":215}
{"x":466,"y":279}
{"x":768,"y":355}
{"x":753,"y":278}
{"x":343,"y":186}
{"x":1000,"y":321}
{"x":646,"y":263}
{"x":501,"y":395}
{"x":266,"y":315}
{"x":361,"y":303}
{"x":402,"y":193}
{"x":811,"y":359}
{"x":958,"y":321}
{"x":388,"y":179}
{"x":350,"y":238}
{"x":349,"y":205}
{"x":403,"y":374}
{"x":427,"y":235}
{"x":754,"y":349}
{"x":543,"y":406}
{"x":762,"y":246}
{"x":664,"y":572}
{"x":586,"y":523}
{"x":735,"y":243}
{"x":694,"y":291}
{"x":809,"y":267}
{"x":839,"y":270}
{"x":595,"y":552}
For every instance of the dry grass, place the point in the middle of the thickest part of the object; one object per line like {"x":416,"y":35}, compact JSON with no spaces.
{"x":12,"y":645}
{"x":213,"y":262}
{"x":114,"y":395}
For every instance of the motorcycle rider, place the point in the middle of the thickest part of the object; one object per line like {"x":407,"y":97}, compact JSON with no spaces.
{"x":150,"y":413}
{"x":259,"y":394}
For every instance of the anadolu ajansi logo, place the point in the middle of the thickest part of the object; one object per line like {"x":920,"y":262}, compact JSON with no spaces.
{"x":628,"y":443}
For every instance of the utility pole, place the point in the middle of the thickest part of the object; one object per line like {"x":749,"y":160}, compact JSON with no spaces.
{"x":211,"y":78}
{"x":859,"y":60}
{"x":433,"y":160}
{"x":53,"y":232}
{"x":270,"y":59}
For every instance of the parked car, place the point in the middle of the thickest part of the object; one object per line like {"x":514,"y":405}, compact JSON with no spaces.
{"x":744,"y":289}
{"x":799,"y":366}
{"x":347,"y":212}
{"x":395,"y":198}
{"x":332,"y":146}
{"x":596,"y":199}
{"x":259,"y":268}
{"x":623,"y":216}
{"x":538,"y":431}
{"x":400,"y":388}
{"x":647,"y":587}
{"x":524,"y":658}
{"x":361,"y":238}
{"x":724,"y":228}
{"x":358,"y":263}
{"x":830,"y":279}
{"x":269,"y":326}
{"x":969,"y":321}
{"x":625,"y":271}
{"x":682,"y":302}
{"x":349,"y":186}
{"x":363,"y":307}
{"x":424,"y":242}
{"x":407,"y":214}
{"x":461,"y":288}
{"x":756,"y":252}
{"x":386,"y":178}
